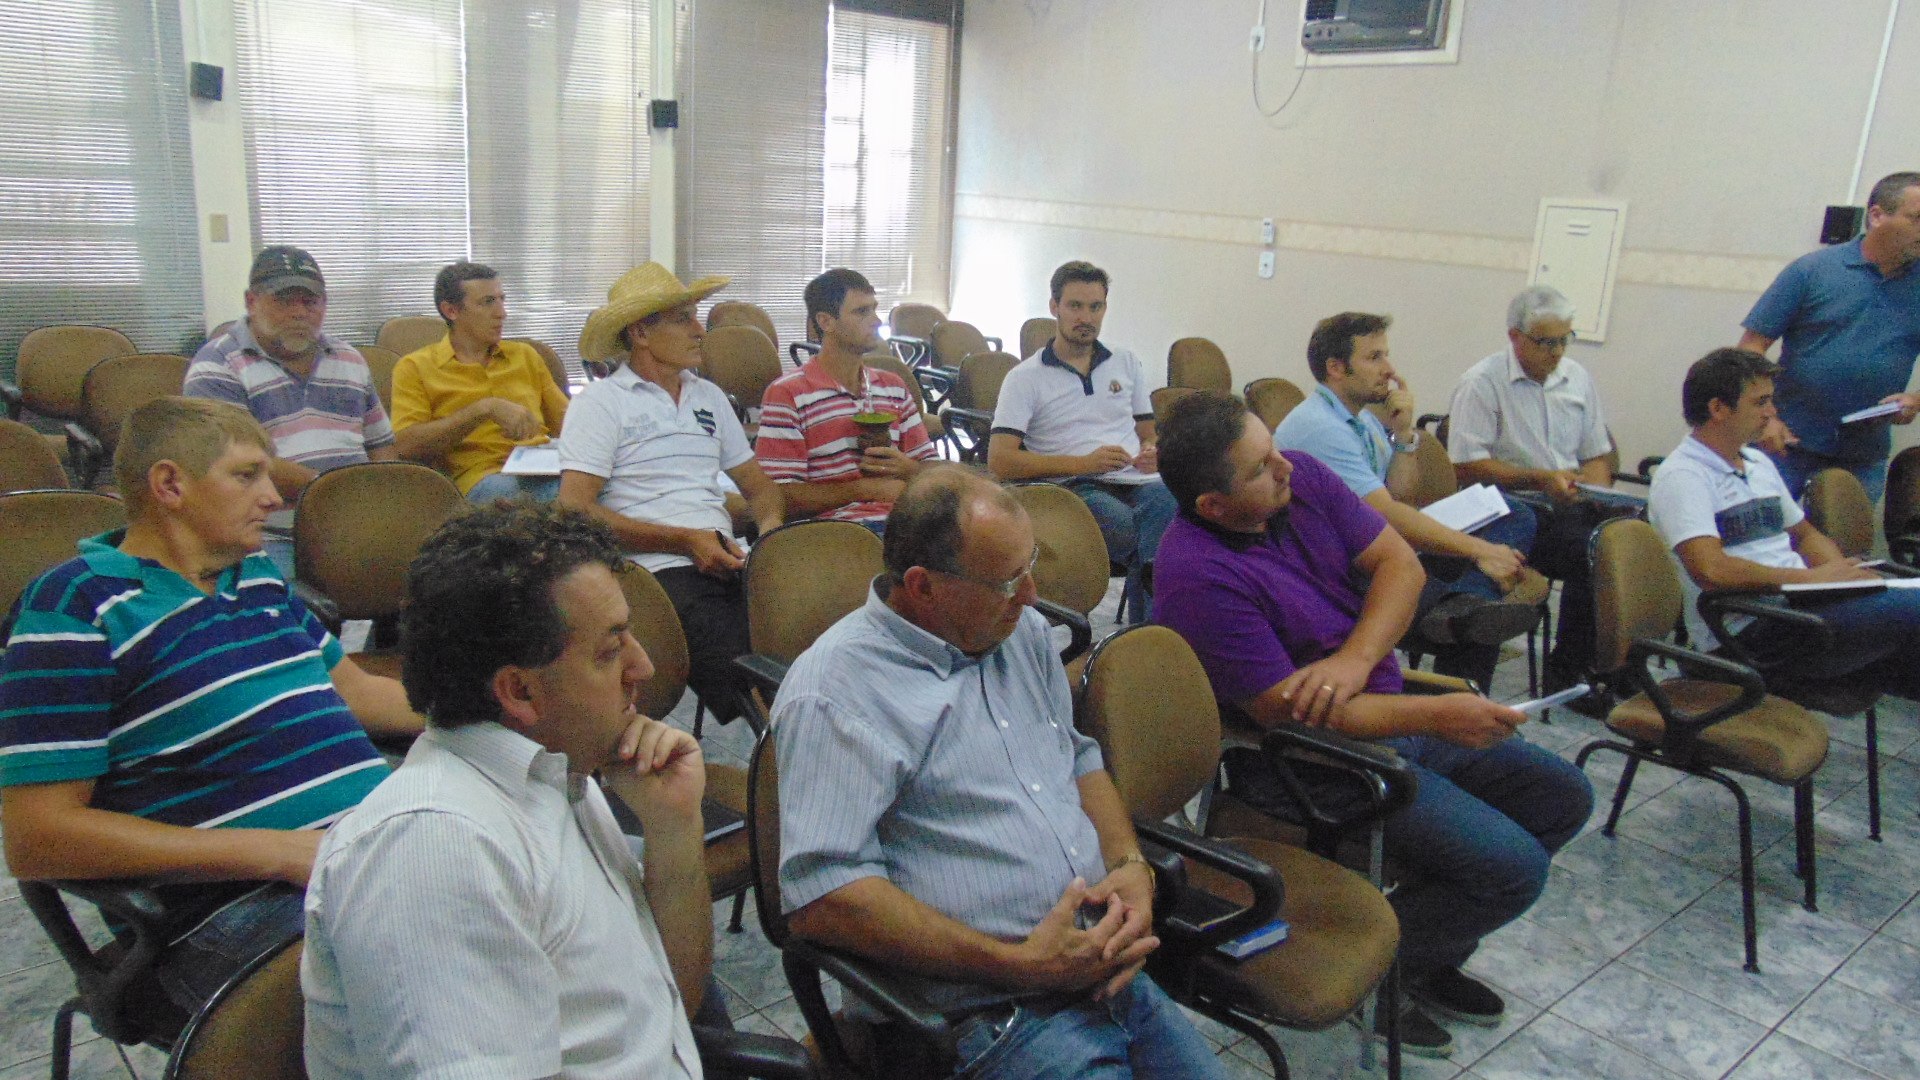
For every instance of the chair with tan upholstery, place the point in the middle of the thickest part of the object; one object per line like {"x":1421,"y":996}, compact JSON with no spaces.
{"x":656,"y":626}
{"x":910,"y":331}
{"x":741,"y":361}
{"x":1036,"y":332}
{"x":556,"y":367}
{"x":43,"y":529}
{"x":1901,"y":521}
{"x":1163,"y":400}
{"x":802,"y":578}
{"x":380,"y":365}
{"x":52,"y":365}
{"x":1146,"y":700}
{"x":885,"y":360}
{"x":743,"y":313}
{"x":1199,"y":363}
{"x":1837,"y":505}
{"x":111,"y":391}
{"x":969,"y":410}
{"x":954,"y":341}
{"x":1073,"y":569}
{"x":27,"y":461}
{"x":411,"y":332}
{"x":356,"y":531}
{"x":1714,"y":721}
{"x":1272,"y":399}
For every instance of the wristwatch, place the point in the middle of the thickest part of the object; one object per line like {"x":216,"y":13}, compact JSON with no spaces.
{"x":1153,"y":879}
{"x":1408,"y":447}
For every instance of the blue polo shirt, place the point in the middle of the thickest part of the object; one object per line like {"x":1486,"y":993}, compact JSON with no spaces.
{"x":184,"y":707}
{"x":1354,"y":445}
{"x":1848,"y":337}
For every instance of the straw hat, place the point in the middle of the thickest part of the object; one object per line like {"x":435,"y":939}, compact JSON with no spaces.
{"x":639,"y":293}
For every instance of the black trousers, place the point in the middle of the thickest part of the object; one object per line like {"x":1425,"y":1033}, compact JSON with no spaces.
{"x":713,"y":615}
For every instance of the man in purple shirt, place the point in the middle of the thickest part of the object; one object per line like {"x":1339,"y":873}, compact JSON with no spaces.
{"x":1292,"y":591}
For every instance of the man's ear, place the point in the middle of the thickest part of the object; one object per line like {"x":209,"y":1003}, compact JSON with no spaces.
{"x":448,"y":309}
{"x":918,"y":583}
{"x":1208,"y":504}
{"x":166,"y":483}
{"x":513,"y":689}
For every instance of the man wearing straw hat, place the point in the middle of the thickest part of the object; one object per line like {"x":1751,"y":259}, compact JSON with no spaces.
{"x":642,"y":451}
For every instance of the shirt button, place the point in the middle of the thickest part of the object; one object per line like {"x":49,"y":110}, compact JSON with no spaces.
{"x":1003,"y":723}
{"x":1074,"y":851}
{"x":1036,"y":787}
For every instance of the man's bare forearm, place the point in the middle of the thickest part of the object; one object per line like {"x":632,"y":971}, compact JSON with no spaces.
{"x":872,"y":917}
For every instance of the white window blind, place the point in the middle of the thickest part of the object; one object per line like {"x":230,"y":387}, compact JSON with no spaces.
{"x":557,"y":96}
{"x":753,"y":104}
{"x":356,"y":144}
{"x":391,"y":137}
{"x":887,"y":185}
{"x":97,"y":218}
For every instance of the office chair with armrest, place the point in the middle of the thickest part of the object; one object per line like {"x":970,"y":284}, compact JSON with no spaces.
{"x":380,"y":365}
{"x":1272,"y":399}
{"x":409,"y":333}
{"x":1901,"y":522}
{"x":743,"y":313}
{"x":111,"y":391}
{"x":910,"y":332}
{"x":113,"y":984}
{"x":970,"y":404}
{"x":42,"y":529}
{"x":556,"y":367}
{"x":802,"y":578}
{"x":51,"y":366}
{"x":1035,"y":333}
{"x":1199,"y":363}
{"x":954,"y":340}
{"x":27,"y":461}
{"x":742,"y":361}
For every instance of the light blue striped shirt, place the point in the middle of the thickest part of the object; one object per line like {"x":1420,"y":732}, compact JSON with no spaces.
{"x":954,"y":778}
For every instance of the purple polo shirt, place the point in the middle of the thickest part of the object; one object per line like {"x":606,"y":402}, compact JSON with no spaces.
{"x":1256,"y":606}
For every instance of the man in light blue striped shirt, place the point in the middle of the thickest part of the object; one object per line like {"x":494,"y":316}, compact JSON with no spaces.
{"x":941,"y":814}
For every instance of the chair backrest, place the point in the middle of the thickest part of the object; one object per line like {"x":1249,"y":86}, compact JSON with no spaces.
{"x":1902,"y":513}
{"x":802,"y":578}
{"x":1636,"y":589}
{"x":954,"y":341}
{"x":27,"y":461}
{"x":1148,"y":703}
{"x":42,"y":529}
{"x":53,"y":361}
{"x":120,"y":384}
{"x":981,"y":374}
{"x":556,"y":367}
{"x":763,"y":839}
{"x":360,"y":526}
{"x":410,"y":332}
{"x":1837,"y":505}
{"x":914,"y":320}
{"x":1433,"y":480}
{"x":656,"y":625}
{"x":1036,"y":332}
{"x":743,"y":313}
{"x":1164,"y":398}
{"x":1199,"y":363}
{"x":1272,"y":399}
{"x":254,"y":1027}
{"x":380,"y":365}
{"x":1073,"y":565}
{"x":741,"y":360}
{"x":886,"y":361}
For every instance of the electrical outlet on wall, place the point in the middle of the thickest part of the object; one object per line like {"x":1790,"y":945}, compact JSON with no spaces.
{"x":1257,"y":40}
{"x":1266,"y":264}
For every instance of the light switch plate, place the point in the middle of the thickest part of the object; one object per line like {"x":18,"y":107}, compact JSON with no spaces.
{"x":1266,"y":264}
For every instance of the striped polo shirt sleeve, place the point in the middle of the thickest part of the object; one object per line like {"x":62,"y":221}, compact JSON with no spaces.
{"x":781,"y":443}
{"x":57,"y":687}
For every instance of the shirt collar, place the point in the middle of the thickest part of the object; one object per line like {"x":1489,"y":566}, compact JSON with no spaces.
{"x":1048,"y":356}
{"x":625,"y":377}
{"x":1692,"y":447}
{"x":1516,"y":373}
{"x":936,"y":652}
{"x":1233,"y":539}
{"x":1332,"y":401}
{"x":1854,"y":253}
{"x":104,"y":556}
{"x":508,"y":759}
{"x":815,"y":376}
{"x":441,"y":352}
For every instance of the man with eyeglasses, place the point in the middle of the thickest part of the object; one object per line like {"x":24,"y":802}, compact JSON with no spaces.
{"x":1528,"y":419}
{"x":945,"y":818}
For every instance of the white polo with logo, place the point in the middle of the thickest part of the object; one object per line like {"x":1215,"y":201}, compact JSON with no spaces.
{"x":1053,"y":409}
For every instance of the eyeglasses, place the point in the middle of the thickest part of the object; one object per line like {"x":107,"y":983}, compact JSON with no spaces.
{"x":1006,"y":588}
{"x":1552,"y":342}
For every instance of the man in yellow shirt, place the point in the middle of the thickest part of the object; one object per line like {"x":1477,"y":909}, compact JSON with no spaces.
{"x":463,"y":403}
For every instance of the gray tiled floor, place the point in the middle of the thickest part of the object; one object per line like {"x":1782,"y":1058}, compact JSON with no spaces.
{"x":1629,"y":967}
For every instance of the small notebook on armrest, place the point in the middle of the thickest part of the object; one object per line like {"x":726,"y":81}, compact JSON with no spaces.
{"x":1469,"y":508}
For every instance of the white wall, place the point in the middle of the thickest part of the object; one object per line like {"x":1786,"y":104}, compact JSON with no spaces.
{"x":1125,"y":132}
{"x":219,"y":164}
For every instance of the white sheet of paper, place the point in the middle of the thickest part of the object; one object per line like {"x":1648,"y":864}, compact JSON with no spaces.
{"x":1469,"y":508}
{"x":1871,"y":412}
{"x":543,"y":460}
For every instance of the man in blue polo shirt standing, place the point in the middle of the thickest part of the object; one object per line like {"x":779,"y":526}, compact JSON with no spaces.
{"x":1848,"y":319}
{"x":1464,"y":612}
{"x":1080,"y":413}
{"x":169,"y":710}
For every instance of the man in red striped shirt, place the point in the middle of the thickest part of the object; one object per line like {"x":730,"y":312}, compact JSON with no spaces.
{"x":811,"y":421}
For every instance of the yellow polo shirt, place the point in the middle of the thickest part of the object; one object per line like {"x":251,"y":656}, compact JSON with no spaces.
{"x":431,"y":384}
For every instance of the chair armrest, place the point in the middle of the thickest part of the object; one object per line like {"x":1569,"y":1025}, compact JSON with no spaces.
{"x":999,"y":344}
{"x":1394,"y":782}
{"x":103,"y":985}
{"x":1415,"y":681}
{"x":743,"y":1053}
{"x":936,"y":381}
{"x":879,"y":987}
{"x":1428,"y":421}
{"x":1717,"y":605}
{"x":977,"y":421}
{"x":15,"y":399}
{"x":1269,"y":891}
{"x":1643,"y":472}
{"x":1076,"y":624}
{"x":1682,"y":728}
{"x":763,"y":671}
{"x":85,"y":453}
{"x":799,"y":351}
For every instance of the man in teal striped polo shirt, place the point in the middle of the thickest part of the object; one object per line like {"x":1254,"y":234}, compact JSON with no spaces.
{"x":169,"y":710}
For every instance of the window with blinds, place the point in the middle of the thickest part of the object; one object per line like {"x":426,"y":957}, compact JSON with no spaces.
{"x":97,"y":216}
{"x":887,"y":186}
{"x":391,"y":137}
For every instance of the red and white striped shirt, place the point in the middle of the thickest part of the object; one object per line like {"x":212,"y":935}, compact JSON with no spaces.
{"x":807,"y":434}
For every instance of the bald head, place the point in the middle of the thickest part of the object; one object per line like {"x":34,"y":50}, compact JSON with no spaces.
{"x":932,"y":518}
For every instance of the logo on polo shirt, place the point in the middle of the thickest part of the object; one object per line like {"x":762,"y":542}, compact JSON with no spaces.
{"x":1113,"y":387}
{"x":705,"y":416}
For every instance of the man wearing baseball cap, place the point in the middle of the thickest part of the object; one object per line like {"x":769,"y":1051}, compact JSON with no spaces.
{"x":312,"y":392}
{"x":642,"y":451}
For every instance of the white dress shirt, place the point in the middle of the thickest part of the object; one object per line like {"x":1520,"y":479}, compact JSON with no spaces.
{"x":1499,"y":413}
{"x":479,"y":915}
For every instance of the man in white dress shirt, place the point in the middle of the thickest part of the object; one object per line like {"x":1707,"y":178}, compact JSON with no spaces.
{"x":480,"y":914}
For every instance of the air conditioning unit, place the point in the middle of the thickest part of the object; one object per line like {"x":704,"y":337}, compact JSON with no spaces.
{"x":1374,"y":25}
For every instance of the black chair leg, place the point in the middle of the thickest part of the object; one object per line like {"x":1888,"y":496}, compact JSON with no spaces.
{"x":1620,"y":794}
{"x":63,"y":1039}
{"x":1746,"y":866}
{"x":1803,"y":840}
{"x":1260,"y":1035}
{"x":734,"y":925}
{"x":1873,"y":774}
{"x":699,"y":717}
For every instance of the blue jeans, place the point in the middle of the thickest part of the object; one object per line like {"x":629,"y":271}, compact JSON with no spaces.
{"x":1875,"y":637}
{"x":1797,"y":466}
{"x":262,"y":921}
{"x":541,"y":489}
{"x":1132,"y":517}
{"x":1472,"y":661}
{"x":1139,"y":1032}
{"x":1472,"y":849}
